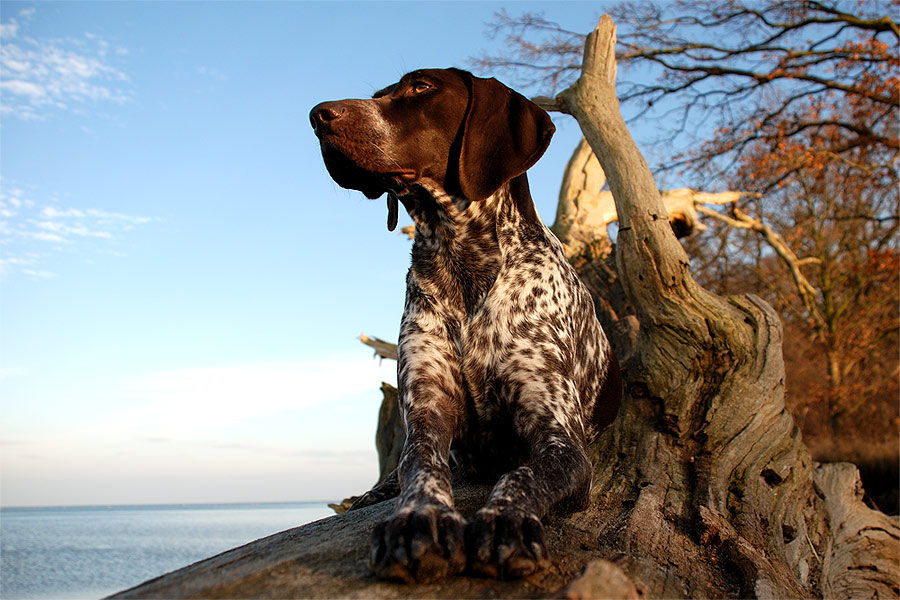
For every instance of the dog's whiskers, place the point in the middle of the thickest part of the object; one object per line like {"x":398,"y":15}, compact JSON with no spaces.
{"x":385,"y":154}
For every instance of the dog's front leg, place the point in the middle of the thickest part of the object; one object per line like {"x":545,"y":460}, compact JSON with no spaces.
{"x":506,"y":538}
{"x":423,"y":539}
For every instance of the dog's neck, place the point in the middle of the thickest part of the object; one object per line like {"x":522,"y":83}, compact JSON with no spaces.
{"x":459,"y":245}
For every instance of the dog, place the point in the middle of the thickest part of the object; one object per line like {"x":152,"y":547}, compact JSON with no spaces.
{"x":503,"y":369}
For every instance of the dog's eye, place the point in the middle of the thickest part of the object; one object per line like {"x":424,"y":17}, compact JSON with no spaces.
{"x":417,"y":87}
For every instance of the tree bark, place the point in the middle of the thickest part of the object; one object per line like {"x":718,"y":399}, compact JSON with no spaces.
{"x":702,"y":486}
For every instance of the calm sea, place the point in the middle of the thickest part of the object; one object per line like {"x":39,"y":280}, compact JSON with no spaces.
{"x":91,"y":552}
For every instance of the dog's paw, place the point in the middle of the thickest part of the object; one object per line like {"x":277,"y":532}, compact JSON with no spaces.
{"x":419,"y":544}
{"x":505,"y":544}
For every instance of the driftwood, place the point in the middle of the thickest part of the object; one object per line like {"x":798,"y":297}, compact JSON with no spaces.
{"x":702,"y":487}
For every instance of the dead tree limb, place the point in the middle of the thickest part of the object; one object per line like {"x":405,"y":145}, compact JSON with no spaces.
{"x":382,"y":348}
{"x":585,"y":209}
{"x":741,"y":220}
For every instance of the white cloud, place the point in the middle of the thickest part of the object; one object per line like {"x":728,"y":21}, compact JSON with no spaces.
{"x":21,"y":264}
{"x":176,"y":402}
{"x":51,"y":212}
{"x":9,"y":30}
{"x":32,"y":231}
{"x":37,"y":75}
{"x":17,"y":87}
{"x":59,"y":229}
{"x":47,"y":237}
{"x":262,"y":429}
{"x":39,"y":274}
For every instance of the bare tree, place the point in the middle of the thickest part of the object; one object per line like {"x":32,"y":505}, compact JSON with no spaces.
{"x":833,"y":227}
{"x":732,"y":73}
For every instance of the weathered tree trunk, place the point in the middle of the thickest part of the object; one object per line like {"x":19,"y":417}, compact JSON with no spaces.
{"x":702,"y":487}
{"x":705,"y":476}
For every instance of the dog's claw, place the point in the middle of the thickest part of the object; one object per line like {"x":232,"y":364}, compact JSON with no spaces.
{"x":508,"y":544}
{"x":419,"y":545}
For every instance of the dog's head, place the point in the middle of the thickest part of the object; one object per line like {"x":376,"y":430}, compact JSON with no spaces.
{"x":441,"y":128}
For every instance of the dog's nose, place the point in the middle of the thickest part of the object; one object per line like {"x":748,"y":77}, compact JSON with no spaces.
{"x":325,"y":113}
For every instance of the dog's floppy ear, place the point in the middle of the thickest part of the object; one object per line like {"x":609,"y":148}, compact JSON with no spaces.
{"x":503,"y":135}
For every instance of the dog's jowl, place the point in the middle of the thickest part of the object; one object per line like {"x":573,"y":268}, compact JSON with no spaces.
{"x":503,"y":369}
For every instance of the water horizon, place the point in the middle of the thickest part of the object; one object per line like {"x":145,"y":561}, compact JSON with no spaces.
{"x":162,"y":505}
{"x":92,"y":551}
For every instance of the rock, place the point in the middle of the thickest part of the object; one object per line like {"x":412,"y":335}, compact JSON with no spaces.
{"x":601,"y":579}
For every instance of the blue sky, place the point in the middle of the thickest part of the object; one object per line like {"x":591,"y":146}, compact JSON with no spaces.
{"x":182,"y":284}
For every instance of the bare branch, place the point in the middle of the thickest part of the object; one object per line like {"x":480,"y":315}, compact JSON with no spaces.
{"x":740,"y":220}
{"x":382,"y":348}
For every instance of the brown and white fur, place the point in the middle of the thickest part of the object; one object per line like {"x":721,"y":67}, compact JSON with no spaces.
{"x":503,"y":369}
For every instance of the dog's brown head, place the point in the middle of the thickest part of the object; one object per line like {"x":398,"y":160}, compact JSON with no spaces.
{"x":436,"y":127}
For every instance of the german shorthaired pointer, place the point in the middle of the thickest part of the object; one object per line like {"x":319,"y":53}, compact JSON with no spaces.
{"x":503,"y":368}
